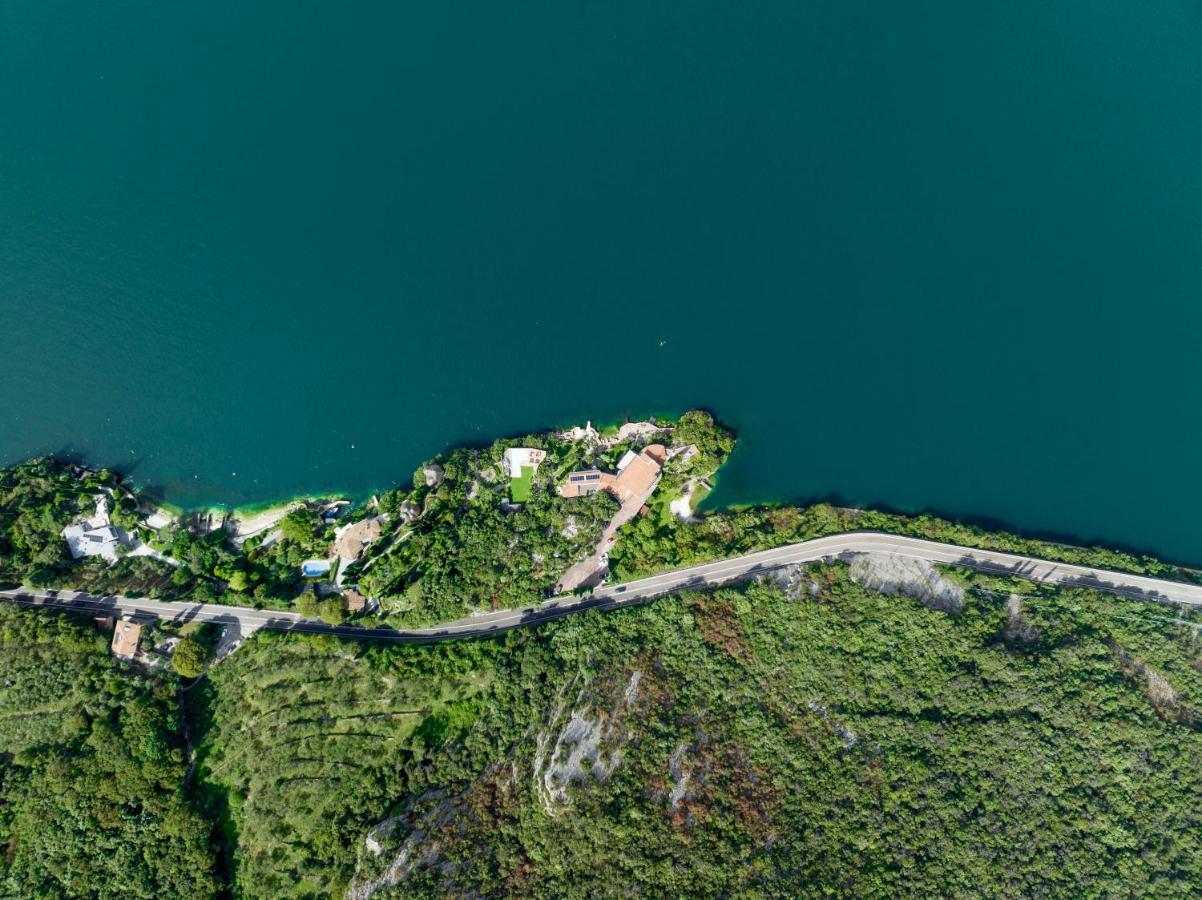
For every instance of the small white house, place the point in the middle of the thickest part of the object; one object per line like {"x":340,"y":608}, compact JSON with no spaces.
{"x":517,"y":458}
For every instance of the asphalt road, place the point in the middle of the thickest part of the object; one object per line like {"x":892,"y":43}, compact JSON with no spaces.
{"x":839,"y":546}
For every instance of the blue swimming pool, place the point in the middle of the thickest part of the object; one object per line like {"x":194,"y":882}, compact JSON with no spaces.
{"x":311,"y":568}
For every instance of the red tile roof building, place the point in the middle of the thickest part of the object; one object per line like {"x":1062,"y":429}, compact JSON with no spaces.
{"x":126,"y":636}
{"x":637,"y":478}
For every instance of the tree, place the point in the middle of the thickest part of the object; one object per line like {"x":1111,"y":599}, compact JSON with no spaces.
{"x":189,"y":658}
{"x":306,"y":604}
{"x":331,"y":611}
{"x":298,"y":526}
{"x":239,"y":581}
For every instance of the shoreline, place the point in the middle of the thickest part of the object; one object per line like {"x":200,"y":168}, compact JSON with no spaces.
{"x":448,"y":500}
{"x":357,"y":498}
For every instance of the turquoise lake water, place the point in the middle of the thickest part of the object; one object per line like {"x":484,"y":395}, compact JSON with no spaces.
{"x":929,"y":255}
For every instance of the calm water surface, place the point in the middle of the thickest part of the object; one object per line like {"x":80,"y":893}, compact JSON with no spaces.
{"x":928,"y":255}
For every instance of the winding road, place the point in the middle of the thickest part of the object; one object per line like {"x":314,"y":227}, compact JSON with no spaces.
{"x":838,"y":546}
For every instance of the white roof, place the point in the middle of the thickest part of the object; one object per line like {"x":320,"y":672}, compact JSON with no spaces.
{"x":627,"y":458}
{"x":85,"y":540}
{"x":517,"y":458}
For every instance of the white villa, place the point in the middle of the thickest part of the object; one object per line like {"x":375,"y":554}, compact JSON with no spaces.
{"x":85,"y":539}
{"x":517,"y":458}
{"x":98,"y":536}
{"x":94,"y":536}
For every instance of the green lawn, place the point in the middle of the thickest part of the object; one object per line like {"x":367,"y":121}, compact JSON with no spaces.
{"x":519,"y":488}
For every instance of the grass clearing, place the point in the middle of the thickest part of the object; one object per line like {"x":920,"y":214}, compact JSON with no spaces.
{"x":521,"y":486}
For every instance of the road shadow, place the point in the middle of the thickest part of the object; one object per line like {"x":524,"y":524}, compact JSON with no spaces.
{"x":1027,"y":569}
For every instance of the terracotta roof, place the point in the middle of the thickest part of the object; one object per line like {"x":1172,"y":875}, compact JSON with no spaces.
{"x":126,"y":636}
{"x":657,"y":452}
{"x":636,"y":479}
{"x":352,"y":540}
{"x":354,"y":600}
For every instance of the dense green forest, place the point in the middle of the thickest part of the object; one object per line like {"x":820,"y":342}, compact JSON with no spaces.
{"x":92,"y":798}
{"x":800,"y":736}
{"x":830,"y":740}
{"x":820,"y":739}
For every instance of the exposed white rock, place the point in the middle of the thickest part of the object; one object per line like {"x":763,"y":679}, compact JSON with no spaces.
{"x":888,"y":573}
{"x":850,"y":739}
{"x":632,"y":687}
{"x":1017,"y":627}
{"x":679,"y":775}
{"x":586,"y":747}
{"x":417,"y":848}
{"x":639,"y":430}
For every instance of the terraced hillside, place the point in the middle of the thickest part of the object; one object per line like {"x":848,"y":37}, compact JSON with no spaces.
{"x":306,"y":742}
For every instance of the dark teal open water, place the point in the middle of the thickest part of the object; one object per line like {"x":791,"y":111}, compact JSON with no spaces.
{"x":933,"y":254}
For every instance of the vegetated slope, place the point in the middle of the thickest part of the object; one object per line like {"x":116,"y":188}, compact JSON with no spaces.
{"x":840,"y":741}
{"x":649,"y":546}
{"x":305,"y":742}
{"x":91,"y":771}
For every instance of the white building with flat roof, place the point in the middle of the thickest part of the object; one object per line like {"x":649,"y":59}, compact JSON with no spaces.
{"x":84,"y":539}
{"x":517,"y":458}
{"x":95,"y":535}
